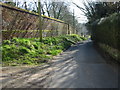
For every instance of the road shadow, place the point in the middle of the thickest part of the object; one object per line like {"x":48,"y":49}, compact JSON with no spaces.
{"x":81,"y":66}
{"x":34,"y":77}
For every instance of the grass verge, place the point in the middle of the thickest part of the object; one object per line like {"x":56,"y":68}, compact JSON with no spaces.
{"x":30,"y":51}
{"x":111,"y":55}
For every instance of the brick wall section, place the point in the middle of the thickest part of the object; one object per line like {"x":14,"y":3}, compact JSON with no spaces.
{"x":21,"y":23}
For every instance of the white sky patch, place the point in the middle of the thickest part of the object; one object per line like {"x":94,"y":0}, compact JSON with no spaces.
{"x":107,"y":0}
{"x":79,"y":15}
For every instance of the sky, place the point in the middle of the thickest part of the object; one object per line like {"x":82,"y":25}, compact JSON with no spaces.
{"x":79,"y":15}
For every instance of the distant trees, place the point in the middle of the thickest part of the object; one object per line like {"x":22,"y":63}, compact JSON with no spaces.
{"x":96,"y":10}
{"x":59,"y":10}
{"x":11,"y":3}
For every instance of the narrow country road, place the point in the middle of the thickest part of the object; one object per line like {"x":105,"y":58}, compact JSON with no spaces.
{"x":82,"y":66}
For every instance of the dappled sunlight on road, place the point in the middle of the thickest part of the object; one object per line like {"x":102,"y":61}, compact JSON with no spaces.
{"x":82,"y":67}
{"x":33,"y":77}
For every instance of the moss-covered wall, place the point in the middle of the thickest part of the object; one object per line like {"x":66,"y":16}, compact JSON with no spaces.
{"x":18,"y":22}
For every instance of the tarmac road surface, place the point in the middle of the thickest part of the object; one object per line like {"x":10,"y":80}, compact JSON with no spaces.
{"x":82,"y":66}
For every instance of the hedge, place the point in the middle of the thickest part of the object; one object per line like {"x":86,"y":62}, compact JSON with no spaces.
{"x":107,"y":30}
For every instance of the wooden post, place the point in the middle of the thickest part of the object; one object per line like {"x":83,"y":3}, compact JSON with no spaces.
{"x":40,"y":21}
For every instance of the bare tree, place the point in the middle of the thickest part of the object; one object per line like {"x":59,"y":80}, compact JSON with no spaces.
{"x":96,"y":10}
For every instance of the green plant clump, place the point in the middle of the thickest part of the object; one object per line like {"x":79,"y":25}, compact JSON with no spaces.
{"x":30,"y":51}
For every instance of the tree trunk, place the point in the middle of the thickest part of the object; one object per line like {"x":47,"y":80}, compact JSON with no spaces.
{"x":40,"y":21}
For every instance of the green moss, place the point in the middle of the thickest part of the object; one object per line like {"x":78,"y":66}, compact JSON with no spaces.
{"x":114,"y":53}
{"x":6,"y":42}
{"x":23,"y":50}
{"x":55,"y":52}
